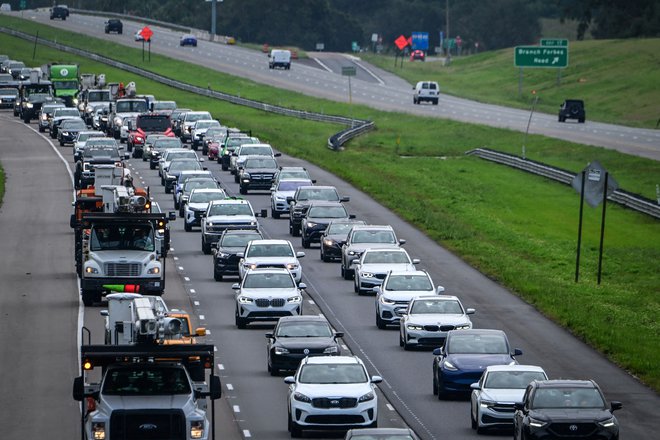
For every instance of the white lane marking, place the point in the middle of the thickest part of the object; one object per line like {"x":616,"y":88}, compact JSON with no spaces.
{"x":186,"y":278}
{"x":208,"y":332}
{"x":180,"y":267}
{"x":196,"y":303}
{"x":390,"y":407}
{"x":221,"y":367}
{"x":192,"y":291}
{"x":202,"y":317}
{"x":215,"y":348}
{"x":176,"y":258}
{"x":236,"y":408}
{"x":311,"y":301}
{"x":246,"y":433}
{"x":230,"y":387}
{"x":344,"y":347}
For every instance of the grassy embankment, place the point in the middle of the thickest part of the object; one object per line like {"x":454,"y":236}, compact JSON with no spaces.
{"x":517,"y":228}
{"x":617,"y":79}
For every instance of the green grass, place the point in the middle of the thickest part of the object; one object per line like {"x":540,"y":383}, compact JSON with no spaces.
{"x":617,"y":79}
{"x":518,"y":229}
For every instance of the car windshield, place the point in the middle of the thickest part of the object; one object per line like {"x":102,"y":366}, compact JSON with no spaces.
{"x":206,"y":197}
{"x":567,"y":398}
{"x":328,"y":194}
{"x":270,"y":250}
{"x":408,"y":283}
{"x":9,"y":92}
{"x":151,"y":138}
{"x":230,"y":209}
{"x":168,"y":143}
{"x":340,"y":228}
{"x":261,"y":163}
{"x":193,"y":117}
{"x":206,"y":124}
{"x":118,"y":237}
{"x":385,"y":257}
{"x":256,"y":151}
{"x":50,"y":108}
{"x":268,"y":281}
{"x":234,"y":142}
{"x":327,"y":212}
{"x":435,"y":306}
{"x":153,"y":122}
{"x":98,"y":95}
{"x":181,"y":155}
{"x":82,"y":137}
{"x":381,"y":437}
{"x":238,"y":240}
{"x":374,"y":237}
{"x":184,"y":164}
{"x":66,"y":112}
{"x":73,"y":124}
{"x":303,"y":330}
{"x":101,"y":151}
{"x":101,"y":142}
{"x":198,"y":183}
{"x":512,"y":379}
{"x":289,"y":185}
{"x":477,"y":344}
{"x":133,"y":106}
{"x":332,"y":373}
{"x":146,"y":381}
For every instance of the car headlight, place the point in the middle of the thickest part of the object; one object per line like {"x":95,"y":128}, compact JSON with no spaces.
{"x":367,"y":397}
{"x":281,"y":350}
{"x":154,"y":271}
{"x":248,"y":266}
{"x":463,"y":326}
{"x":487,"y":404}
{"x":311,"y":224}
{"x":331,"y":350}
{"x":139,"y":138}
{"x":292,"y":266}
{"x":117,"y":121}
{"x":29,"y":105}
{"x":385,"y":300}
{"x":415,"y":327}
{"x":44,"y":117}
{"x":278,"y":197}
{"x":75,"y":101}
{"x":245,"y":300}
{"x":607,"y":423}
{"x":223,"y":255}
{"x":98,"y":430}
{"x":352,"y":253}
{"x":535,"y":423}
{"x":300,"y":397}
{"x":449,"y":366}
{"x":366,"y":274}
{"x":328,"y":242}
{"x":294,"y":299}
{"x":90,"y":269}
{"x":197,"y":429}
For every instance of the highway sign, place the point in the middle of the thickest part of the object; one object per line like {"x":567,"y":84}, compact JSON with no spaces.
{"x":22,"y":4}
{"x":540,"y":56}
{"x":146,"y":33}
{"x":401,"y":42}
{"x":420,"y":40}
{"x":554,"y":42}
{"x":594,"y":184}
{"x":348,"y":70}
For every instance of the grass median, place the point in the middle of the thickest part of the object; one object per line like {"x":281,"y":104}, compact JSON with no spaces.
{"x":517,"y":228}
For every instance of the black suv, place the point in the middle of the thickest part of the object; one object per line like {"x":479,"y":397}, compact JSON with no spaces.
{"x":59,"y":12}
{"x":572,"y":109}
{"x":231,"y":242}
{"x":304,"y":196}
{"x":257,"y":173}
{"x":565,"y":409}
{"x":114,"y":25}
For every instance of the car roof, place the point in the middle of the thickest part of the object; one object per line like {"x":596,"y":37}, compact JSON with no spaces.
{"x":372,"y":227}
{"x":270,"y":241}
{"x":515,"y":368}
{"x":437,"y":298}
{"x":230,"y":202}
{"x":476,"y":331}
{"x":303,"y":318}
{"x":333,"y":360}
{"x":269,"y":270}
{"x":559,"y":383}
{"x":207,"y":190}
{"x":409,"y":273}
{"x":325,"y":203}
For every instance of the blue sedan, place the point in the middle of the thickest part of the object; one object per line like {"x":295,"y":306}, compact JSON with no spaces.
{"x":464,"y":357}
{"x":188,"y":40}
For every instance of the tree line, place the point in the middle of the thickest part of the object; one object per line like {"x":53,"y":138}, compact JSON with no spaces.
{"x":492,"y":24}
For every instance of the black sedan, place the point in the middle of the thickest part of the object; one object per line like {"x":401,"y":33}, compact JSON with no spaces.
{"x":317,"y":218}
{"x":334,"y":237}
{"x":69,"y":129}
{"x":231,"y":242}
{"x":296,"y":337}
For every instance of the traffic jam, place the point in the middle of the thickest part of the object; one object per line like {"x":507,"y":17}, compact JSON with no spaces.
{"x":218,"y":185}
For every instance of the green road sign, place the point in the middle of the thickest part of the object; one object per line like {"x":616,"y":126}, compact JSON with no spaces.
{"x":554,"y":42}
{"x":348,"y":71}
{"x":540,"y":56}
{"x":23,"y":4}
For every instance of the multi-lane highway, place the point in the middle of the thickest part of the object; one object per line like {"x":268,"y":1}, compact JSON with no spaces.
{"x":40,"y":310}
{"x":372,"y":87}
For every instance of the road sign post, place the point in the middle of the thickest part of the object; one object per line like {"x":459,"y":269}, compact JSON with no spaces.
{"x":554,"y":42}
{"x":349,"y":71}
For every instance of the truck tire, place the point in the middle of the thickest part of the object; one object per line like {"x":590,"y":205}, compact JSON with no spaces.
{"x":89,"y":297}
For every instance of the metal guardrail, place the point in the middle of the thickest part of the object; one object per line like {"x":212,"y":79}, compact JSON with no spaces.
{"x":335,"y":142}
{"x":621,"y":197}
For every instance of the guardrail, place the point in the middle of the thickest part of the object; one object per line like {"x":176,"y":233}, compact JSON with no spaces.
{"x":619,"y":196}
{"x":335,"y":142}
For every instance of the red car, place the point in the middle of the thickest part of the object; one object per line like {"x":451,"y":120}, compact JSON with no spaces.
{"x":417,"y":55}
{"x":147,"y":123}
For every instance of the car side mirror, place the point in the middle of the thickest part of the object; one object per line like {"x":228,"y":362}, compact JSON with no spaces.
{"x":290,"y":380}
{"x":302,"y":286}
{"x":402,"y":241}
{"x":78,"y":388}
{"x":351,"y":216}
{"x":475,"y":386}
{"x":517,"y":352}
{"x":205,"y":168}
{"x":201,"y":159}
{"x":438,"y":351}
{"x":439,"y":290}
{"x":215,"y":391}
{"x":240,"y":254}
{"x":289,"y":199}
{"x":313,"y":180}
{"x":378,"y":290}
{"x":235,"y":286}
{"x":345,"y":199}
{"x":200,"y":331}
{"x":263,"y":213}
{"x":127,"y":155}
{"x":416,"y":260}
{"x":300,"y":254}
{"x":269,"y":335}
{"x":376,"y":379}
{"x":471,"y":312}
{"x":277,"y":154}
{"x":615,"y":404}
{"x":171,"y":216}
{"x":339,"y":335}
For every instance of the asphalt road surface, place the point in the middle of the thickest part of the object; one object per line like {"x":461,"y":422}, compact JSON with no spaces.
{"x":372,"y":86}
{"x":40,"y":355}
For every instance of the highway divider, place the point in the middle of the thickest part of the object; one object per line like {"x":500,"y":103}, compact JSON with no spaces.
{"x":335,"y":142}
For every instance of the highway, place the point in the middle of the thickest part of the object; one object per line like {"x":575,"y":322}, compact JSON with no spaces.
{"x":372,"y":87}
{"x":41,"y":351}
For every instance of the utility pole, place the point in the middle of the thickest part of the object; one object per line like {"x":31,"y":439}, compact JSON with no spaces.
{"x":214,"y":8}
{"x":447,"y":30}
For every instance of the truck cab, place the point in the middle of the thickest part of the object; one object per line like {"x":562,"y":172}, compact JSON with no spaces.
{"x":66,"y":84}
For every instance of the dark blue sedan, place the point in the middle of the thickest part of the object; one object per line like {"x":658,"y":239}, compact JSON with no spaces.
{"x":464,"y":357}
{"x":188,"y":40}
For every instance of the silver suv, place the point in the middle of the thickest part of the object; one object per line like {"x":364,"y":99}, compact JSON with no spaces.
{"x":361,"y":238}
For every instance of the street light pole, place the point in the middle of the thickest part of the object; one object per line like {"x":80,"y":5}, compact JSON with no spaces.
{"x":214,"y":8}
{"x":447,"y":30}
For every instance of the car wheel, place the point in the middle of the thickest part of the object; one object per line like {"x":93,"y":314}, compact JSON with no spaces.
{"x":442,"y":393}
{"x":61,"y":144}
{"x":324,"y":257}
{"x":217,"y":275}
{"x":374,"y":424}
{"x":168,"y":188}
{"x":347,"y":274}
{"x":581,"y":120}
{"x":236,"y":179}
{"x":90,"y":297}
{"x":224,"y":167}
{"x":206,"y":248}
{"x":26,"y":120}
{"x":273,"y":371}
{"x":356,"y":289}
{"x":379,"y":322}
{"x":296,"y":430}
{"x":243,"y":190}
{"x":473,"y":422}
{"x":240,"y":322}
{"x":305,"y":243}
{"x":274,"y":213}
{"x":435,"y":101}
{"x":435,"y":383}
{"x":415,"y":101}
{"x":180,"y":211}
{"x":152,"y":166}
{"x":41,"y":129}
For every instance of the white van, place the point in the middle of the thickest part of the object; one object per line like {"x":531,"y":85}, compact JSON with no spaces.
{"x":426,"y":91}
{"x":279,"y":58}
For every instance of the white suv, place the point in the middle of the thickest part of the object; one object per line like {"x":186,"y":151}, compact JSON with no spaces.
{"x":330,"y":392}
{"x":426,"y":91}
{"x":270,"y":253}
